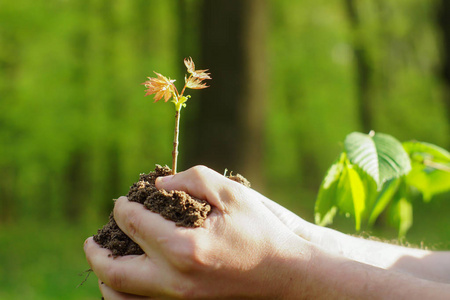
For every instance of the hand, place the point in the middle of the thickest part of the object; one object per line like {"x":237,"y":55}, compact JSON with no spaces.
{"x":242,"y":250}
{"x":434,"y":266}
{"x":329,"y":240}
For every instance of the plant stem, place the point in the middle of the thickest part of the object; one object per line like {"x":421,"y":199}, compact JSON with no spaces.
{"x":185,"y":84}
{"x":175,"y":142}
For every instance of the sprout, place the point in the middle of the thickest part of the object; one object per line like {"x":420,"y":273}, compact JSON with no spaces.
{"x":164,"y":87}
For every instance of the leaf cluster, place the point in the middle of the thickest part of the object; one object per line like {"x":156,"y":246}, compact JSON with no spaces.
{"x":376,"y":172}
{"x":163,"y":87}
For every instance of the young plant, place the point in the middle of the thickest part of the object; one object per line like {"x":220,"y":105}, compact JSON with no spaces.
{"x":164,"y":87}
{"x":376,"y":172}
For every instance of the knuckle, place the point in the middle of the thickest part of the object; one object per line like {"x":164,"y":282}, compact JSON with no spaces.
{"x":233,"y":194}
{"x":133,"y":223}
{"x":187,"y":255}
{"x":199,"y":171}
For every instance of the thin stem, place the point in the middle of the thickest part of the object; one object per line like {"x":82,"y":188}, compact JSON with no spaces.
{"x":176,"y":95}
{"x":185,"y":84}
{"x":175,"y":142}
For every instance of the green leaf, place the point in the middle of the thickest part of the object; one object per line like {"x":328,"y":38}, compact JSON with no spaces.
{"x":343,"y":189}
{"x":430,"y":172}
{"x":358,"y":195}
{"x":383,"y":198}
{"x":325,"y":207}
{"x":428,"y":181}
{"x":401,"y":212}
{"x":344,"y":198}
{"x":422,"y":150}
{"x":371,"y":189}
{"x":379,"y":155}
{"x":350,"y":194}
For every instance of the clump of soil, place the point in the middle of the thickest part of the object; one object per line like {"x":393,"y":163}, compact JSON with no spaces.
{"x":176,"y":206}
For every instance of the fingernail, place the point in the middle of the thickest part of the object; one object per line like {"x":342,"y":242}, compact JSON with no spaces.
{"x":86,"y":243}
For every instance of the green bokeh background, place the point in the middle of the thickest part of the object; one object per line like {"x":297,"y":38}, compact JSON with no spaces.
{"x":75,"y":129}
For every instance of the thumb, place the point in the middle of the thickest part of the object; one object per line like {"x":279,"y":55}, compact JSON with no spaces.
{"x":200,"y":182}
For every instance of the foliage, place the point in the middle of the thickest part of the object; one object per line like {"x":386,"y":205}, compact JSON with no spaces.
{"x":71,"y":121}
{"x":74,"y":131}
{"x":376,"y":172}
{"x":45,"y":261}
{"x":314,"y":83}
{"x":74,"y":127}
{"x":163,"y":87}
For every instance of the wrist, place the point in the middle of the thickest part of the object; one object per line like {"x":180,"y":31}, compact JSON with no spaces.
{"x":295,"y":269}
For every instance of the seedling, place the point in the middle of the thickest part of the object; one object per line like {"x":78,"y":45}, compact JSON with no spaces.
{"x":163,"y":87}
{"x":376,"y":172}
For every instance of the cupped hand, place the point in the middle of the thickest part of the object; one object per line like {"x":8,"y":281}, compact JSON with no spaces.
{"x":241,"y":251}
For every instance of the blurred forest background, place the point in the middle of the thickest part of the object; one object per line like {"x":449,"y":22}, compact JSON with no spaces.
{"x":290,"y":80}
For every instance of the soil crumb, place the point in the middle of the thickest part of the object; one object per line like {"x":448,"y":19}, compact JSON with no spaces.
{"x":176,"y":206}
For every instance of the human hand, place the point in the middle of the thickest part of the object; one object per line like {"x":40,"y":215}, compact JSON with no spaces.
{"x":420,"y":263}
{"x":327,"y":239}
{"x":242,"y":250}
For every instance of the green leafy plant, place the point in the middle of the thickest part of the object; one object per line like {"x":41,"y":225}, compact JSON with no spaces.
{"x":376,"y":172}
{"x":163,"y":87}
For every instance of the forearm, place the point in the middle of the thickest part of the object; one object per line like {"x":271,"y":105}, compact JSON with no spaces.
{"x":420,"y":263}
{"x":333,"y":277}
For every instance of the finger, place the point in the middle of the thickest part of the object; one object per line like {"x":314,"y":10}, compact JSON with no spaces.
{"x":136,"y":274}
{"x":110,"y":294}
{"x":146,"y":228}
{"x":200,"y":182}
{"x":288,"y":218}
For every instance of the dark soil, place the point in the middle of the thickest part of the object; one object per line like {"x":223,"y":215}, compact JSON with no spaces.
{"x":176,"y":206}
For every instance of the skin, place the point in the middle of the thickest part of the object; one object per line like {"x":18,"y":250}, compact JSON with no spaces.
{"x":430,"y":265}
{"x":250,"y":247}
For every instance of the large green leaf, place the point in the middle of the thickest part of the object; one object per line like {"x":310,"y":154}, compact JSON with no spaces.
{"x":429,"y":181}
{"x":430,"y":172}
{"x":343,"y":190}
{"x":379,"y":155}
{"x":325,"y":208}
{"x":401,"y":211}
{"x":358,"y":195}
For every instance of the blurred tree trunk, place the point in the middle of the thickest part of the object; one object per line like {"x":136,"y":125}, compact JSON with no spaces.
{"x":7,"y":199}
{"x":253,"y":113}
{"x":75,"y":199}
{"x":362,"y":65}
{"x":187,"y":35}
{"x":228,"y":130}
{"x":444,"y":20}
